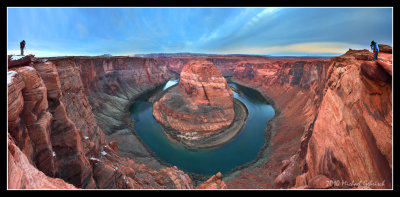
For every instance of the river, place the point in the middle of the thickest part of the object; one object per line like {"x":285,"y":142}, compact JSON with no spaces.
{"x":239,"y":151}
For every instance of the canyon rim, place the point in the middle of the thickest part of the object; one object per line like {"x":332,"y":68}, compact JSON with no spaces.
{"x":71,"y":122}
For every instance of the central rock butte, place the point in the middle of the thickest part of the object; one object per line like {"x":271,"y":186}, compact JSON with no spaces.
{"x":201,"y":104}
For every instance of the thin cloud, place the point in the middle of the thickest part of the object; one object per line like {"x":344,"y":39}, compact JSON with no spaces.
{"x":307,"y":47}
{"x":46,"y":53}
{"x":82,"y":30}
{"x":202,"y":30}
{"x":263,"y":16}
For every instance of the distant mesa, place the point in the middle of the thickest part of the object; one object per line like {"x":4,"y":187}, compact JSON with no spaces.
{"x":106,"y":55}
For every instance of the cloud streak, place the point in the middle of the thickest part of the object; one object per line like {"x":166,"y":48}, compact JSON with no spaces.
{"x":203,"y":30}
{"x":307,"y":47}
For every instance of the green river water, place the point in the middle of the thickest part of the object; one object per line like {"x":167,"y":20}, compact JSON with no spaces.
{"x":238,"y":151}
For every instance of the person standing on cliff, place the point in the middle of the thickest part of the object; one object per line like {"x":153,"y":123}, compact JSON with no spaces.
{"x":22,"y":46}
{"x":375,"y":49}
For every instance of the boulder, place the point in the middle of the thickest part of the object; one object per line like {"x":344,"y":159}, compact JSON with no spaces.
{"x":19,"y":60}
{"x":385,"y":48}
{"x":320,"y":182}
{"x":287,"y":176}
{"x":214,"y":182}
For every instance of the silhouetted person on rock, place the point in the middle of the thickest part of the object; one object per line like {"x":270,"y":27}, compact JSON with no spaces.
{"x":22,"y":46}
{"x":375,"y":49}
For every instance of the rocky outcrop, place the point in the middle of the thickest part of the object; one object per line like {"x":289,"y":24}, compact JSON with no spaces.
{"x":200,"y":112}
{"x":320,"y":182}
{"x":346,"y":130}
{"x":287,"y":176}
{"x":215,"y":182}
{"x":116,"y":81}
{"x":15,"y":106}
{"x":65,"y":138}
{"x":56,"y":145}
{"x":202,"y":103}
{"x":19,"y":60}
{"x":357,"y":106}
{"x":333,"y":127}
{"x":23,"y":175}
{"x":109,"y":86}
{"x":293,"y":87}
{"x":374,"y":71}
{"x":50,"y":96}
{"x":387,"y":66}
{"x":111,"y":171}
{"x":178,"y":178}
{"x":385,"y":48}
{"x":35,"y":116}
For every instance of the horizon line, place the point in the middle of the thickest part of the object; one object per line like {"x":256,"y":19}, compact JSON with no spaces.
{"x":194,"y":53}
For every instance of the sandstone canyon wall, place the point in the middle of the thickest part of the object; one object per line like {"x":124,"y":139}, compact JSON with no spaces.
{"x":334,"y":127}
{"x":357,"y":106}
{"x":52,"y":123}
{"x":67,"y":122}
{"x":294,"y":88}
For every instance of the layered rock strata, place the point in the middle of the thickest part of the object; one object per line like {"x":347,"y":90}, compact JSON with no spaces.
{"x":333,"y":122}
{"x":200,"y":111}
{"x":345,"y":134}
{"x":23,"y":175}
{"x":202,"y":102}
{"x":50,"y":96}
{"x":293,"y":87}
{"x":111,"y":85}
{"x":66,"y":140}
{"x":31,"y":125}
{"x":357,"y":145}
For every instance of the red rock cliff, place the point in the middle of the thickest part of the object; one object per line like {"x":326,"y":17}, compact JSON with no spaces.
{"x":201,"y":103}
{"x":352,"y":134}
{"x":23,"y":175}
{"x":29,"y":117}
{"x":61,"y":137}
{"x":334,"y":123}
{"x":294,"y":87}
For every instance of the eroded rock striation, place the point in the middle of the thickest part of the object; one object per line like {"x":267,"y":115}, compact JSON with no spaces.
{"x":293,"y":87}
{"x":33,"y":134}
{"x":67,"y":121}
{"x":344,"y":129}
{"x":52,"y":123}
{"x":357,"y":106}
{"x":23,"y":175}
{"x":200,"y":111}
{"x":202,"y":102}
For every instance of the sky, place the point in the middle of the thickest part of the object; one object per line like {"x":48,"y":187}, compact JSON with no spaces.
{"x":264,"y":31}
